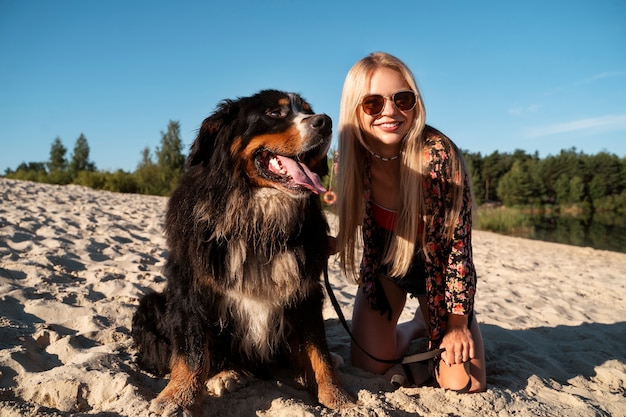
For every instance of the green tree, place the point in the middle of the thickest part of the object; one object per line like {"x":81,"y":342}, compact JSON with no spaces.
{"x":170,"y":159}
{"x":606,"y":169}
{"x":32,"y":171}
{"x":57,"y":165}
{"x":494,"y":167}
{"x":550,"y":178}
{"x":518,"y":187}
{"x":169,"y":155}
{"x":80,"y":157}
{"x":576,"y":190}
{"x":161,"y":178}
{"x":597,"y":188}
{"x":146,"y":158}
{"x":147,"y":175}
{"x":39,"y":167}
{"x":561,"y":189}
{"x":57,"y":161}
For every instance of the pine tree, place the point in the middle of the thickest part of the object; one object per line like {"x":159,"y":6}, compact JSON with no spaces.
{"x":80,"y":157}
{"x":169,"y":155}
{"x":518,"y":187}
{"x":170,"y":159}
{"x":57,"y":162}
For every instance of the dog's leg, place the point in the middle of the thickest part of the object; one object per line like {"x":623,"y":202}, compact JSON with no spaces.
{"x":329,"y":391}
{"x":312,"y":356}
{"x":184,"y":392}
{"x":189,"y":364}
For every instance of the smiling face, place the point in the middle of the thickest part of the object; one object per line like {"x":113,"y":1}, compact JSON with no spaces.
{"x":384,"y":132}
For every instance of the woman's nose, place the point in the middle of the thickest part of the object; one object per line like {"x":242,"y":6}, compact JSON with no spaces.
{"x":388,"y":108}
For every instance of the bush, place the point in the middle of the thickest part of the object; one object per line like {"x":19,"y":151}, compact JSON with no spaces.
{"x":504,"y":220}
{"x":90,"y":179}
{"x":24,"y":175}
{"x":59,"y":177}
{"x":120,"y":181}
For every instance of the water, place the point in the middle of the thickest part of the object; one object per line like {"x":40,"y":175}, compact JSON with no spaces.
{"x":600,"y":231}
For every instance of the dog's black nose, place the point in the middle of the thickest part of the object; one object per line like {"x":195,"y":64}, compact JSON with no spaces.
{"x":321,"y":123}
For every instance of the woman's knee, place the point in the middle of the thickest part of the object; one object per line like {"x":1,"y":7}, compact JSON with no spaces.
{"x":375,"y":336}
{"x":362,"y":361}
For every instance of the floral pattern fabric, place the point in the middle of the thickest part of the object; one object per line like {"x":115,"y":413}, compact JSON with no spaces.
{"x":451,"y":276}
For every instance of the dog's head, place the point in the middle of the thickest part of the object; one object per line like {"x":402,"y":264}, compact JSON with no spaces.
{"x":271,"y":139}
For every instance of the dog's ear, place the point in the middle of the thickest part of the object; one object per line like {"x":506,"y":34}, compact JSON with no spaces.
{"x":216,"y":126}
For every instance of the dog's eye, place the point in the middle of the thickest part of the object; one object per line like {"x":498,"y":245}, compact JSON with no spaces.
{"x":276,"y":113}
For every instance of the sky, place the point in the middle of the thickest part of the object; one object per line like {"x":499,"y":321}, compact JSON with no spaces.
{"x":536,"y":75}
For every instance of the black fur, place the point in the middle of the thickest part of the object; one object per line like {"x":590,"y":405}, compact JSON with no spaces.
{"x":242,"y":240}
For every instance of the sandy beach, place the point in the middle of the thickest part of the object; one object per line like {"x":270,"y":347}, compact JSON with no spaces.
{"x":74,"y":263}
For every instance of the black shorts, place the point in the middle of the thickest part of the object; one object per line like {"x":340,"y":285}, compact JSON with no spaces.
{"x":414,"y":282}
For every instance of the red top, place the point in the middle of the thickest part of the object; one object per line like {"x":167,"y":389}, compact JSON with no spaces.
{"x":385,"y":218}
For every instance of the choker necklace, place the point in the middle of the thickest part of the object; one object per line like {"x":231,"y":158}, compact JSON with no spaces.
{"x":382,"y":158}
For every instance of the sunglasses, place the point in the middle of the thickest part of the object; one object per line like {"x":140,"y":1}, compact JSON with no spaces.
{"x":403,"y":100}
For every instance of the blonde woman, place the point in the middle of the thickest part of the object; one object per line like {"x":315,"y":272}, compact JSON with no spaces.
{"x":404,"y":195}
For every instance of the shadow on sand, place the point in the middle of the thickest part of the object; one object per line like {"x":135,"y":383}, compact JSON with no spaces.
{"x":558,"y":353}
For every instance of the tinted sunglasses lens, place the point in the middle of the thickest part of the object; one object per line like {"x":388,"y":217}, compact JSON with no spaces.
{"x":373,"y":104}
{"x":404,"y":100}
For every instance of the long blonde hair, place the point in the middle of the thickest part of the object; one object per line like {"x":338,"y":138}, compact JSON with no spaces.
{"x":352,"y":156}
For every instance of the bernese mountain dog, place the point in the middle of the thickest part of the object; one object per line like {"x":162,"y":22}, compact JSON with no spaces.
{"x":247,"y":242}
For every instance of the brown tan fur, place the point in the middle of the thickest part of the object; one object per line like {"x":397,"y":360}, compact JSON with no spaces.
{"x":247,"y":245}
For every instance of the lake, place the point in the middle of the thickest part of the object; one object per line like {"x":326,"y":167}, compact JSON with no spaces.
{"x":599,"y":231}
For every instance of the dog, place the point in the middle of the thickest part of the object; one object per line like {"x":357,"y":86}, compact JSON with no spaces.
{"x":247,"y":242}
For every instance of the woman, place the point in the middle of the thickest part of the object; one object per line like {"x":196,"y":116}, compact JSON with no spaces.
{"x":406,"y":185}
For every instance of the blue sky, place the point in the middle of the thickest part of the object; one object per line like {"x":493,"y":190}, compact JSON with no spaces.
{"x":500,"y":75}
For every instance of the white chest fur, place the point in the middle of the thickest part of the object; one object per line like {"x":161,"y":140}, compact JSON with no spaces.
{"x":259,"y":326}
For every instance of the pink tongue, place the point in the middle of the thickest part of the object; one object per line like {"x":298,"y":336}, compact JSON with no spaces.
{"x":302,"y":175}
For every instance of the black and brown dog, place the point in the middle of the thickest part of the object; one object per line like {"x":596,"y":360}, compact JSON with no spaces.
{"x":248,"y":243}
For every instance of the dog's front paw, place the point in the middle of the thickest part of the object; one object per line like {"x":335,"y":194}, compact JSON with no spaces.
{"x":172,"y":403}
{"x":227,"y":381}
{"x":167,"y":409}
{"x":334,"y":397}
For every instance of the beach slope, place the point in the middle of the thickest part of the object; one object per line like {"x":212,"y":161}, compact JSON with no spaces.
{"x":74,"y":263}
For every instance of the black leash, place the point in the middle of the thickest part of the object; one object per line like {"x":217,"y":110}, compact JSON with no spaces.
{"x":418,"y":357}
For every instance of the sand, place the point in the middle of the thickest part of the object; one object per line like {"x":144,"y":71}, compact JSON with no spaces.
{"x":74,"y":263}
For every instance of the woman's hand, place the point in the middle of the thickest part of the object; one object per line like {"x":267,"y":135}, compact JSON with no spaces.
{"x":457,"y":341}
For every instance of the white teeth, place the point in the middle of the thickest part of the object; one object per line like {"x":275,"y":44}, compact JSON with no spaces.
{"x":276,"y":165}
{"x":389,"y":125}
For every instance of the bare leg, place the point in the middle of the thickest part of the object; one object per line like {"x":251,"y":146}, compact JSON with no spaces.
{"x":412,"y":329}
{"x":386,"y":339}
{"x":380,"y":337}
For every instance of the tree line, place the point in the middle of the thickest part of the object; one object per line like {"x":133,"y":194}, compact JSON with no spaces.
{"x":156,"y":176}
{"x":568,"y":181}
{"x":571,"y":180}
